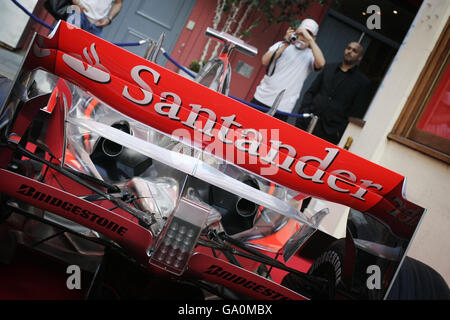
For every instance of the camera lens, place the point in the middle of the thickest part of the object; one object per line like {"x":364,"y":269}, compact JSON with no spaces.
{"x":293,"y":38}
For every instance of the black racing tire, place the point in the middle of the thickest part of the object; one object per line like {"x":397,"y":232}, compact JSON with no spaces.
{"x":418,"y":281}
{"x":329,"y":266}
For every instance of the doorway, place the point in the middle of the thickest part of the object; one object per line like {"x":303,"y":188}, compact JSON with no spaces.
{"x":147,"y":19}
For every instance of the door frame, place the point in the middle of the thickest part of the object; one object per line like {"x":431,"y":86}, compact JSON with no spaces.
{"x":128,"y":6}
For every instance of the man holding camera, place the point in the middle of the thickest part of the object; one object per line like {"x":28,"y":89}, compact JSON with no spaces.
{"x":288,"y":63}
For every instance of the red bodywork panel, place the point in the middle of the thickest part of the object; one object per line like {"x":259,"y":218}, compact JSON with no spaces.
{"x":238,"y":279}
{"x":171,"y":103}
{"x":215,"y":123}
{"x":131,"y":236}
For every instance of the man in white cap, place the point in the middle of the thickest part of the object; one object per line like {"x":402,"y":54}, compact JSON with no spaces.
{"x":288,"y":63}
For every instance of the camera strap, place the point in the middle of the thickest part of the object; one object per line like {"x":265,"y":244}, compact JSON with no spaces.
{"x":272,"y":63}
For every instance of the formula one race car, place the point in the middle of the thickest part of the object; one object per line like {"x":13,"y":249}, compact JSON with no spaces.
{"x":154,"y":186}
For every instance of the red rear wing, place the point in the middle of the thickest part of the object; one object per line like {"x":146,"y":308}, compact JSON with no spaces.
{"x":223,"y":126}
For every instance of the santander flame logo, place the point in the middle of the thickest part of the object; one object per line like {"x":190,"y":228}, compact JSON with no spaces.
{"x":92,"y":70}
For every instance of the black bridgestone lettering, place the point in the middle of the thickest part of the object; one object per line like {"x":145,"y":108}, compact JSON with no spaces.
{"x":239,"y":280}
{"x":227,"y":275}
{"x":249,"y":285}
{"x":122,"y":231}
{"x":233,"y":278}
{"x":213,"y":269}
{"x":42,"y":196}
{"x":267,"y":292}
{"x":112,"y":226}
{"x":67,"y":206}
{"x":76,"y":210}
{"x":47,"y":198}
{"x":102,"y":221}
{"x":56,"y":202}
{"x":93,"y":217}
{"x":36,"y":195}
{"x":85,"y":214}
{"x":258,"y":288}
{"x":25,"y":190}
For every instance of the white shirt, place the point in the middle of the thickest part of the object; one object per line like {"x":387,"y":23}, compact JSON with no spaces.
{"x":97,"y":9}
{"x":292,"y":68}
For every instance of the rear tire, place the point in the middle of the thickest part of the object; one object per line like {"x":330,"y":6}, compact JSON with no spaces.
{"x":329,"y":266}
{"x":418,"y":281}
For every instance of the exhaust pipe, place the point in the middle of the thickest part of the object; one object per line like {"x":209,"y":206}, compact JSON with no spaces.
{"x":246,"y":208}
{"x":116,"y":160}
{"x":113,"y":149}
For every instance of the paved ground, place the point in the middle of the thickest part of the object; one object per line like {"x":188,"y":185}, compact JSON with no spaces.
{"x":10,"y":62}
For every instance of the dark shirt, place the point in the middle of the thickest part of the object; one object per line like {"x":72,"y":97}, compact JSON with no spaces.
{"x":335,"y":96}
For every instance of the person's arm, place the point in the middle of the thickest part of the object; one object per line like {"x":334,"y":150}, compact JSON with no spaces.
{"x":319,"y":58}
{"x":268,"y":55}
{"x":115,"y":9}
{"x":79,"y":5}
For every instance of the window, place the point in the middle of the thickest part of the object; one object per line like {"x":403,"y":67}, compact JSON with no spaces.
{"x":424,"y":123}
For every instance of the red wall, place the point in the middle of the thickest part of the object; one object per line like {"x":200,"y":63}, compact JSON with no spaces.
{"x":191,"y":43}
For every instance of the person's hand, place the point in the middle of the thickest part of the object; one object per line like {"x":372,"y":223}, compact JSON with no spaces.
{"x":288,"y":35}
{"x":103,"y":22}
{"x":306,"y":35}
